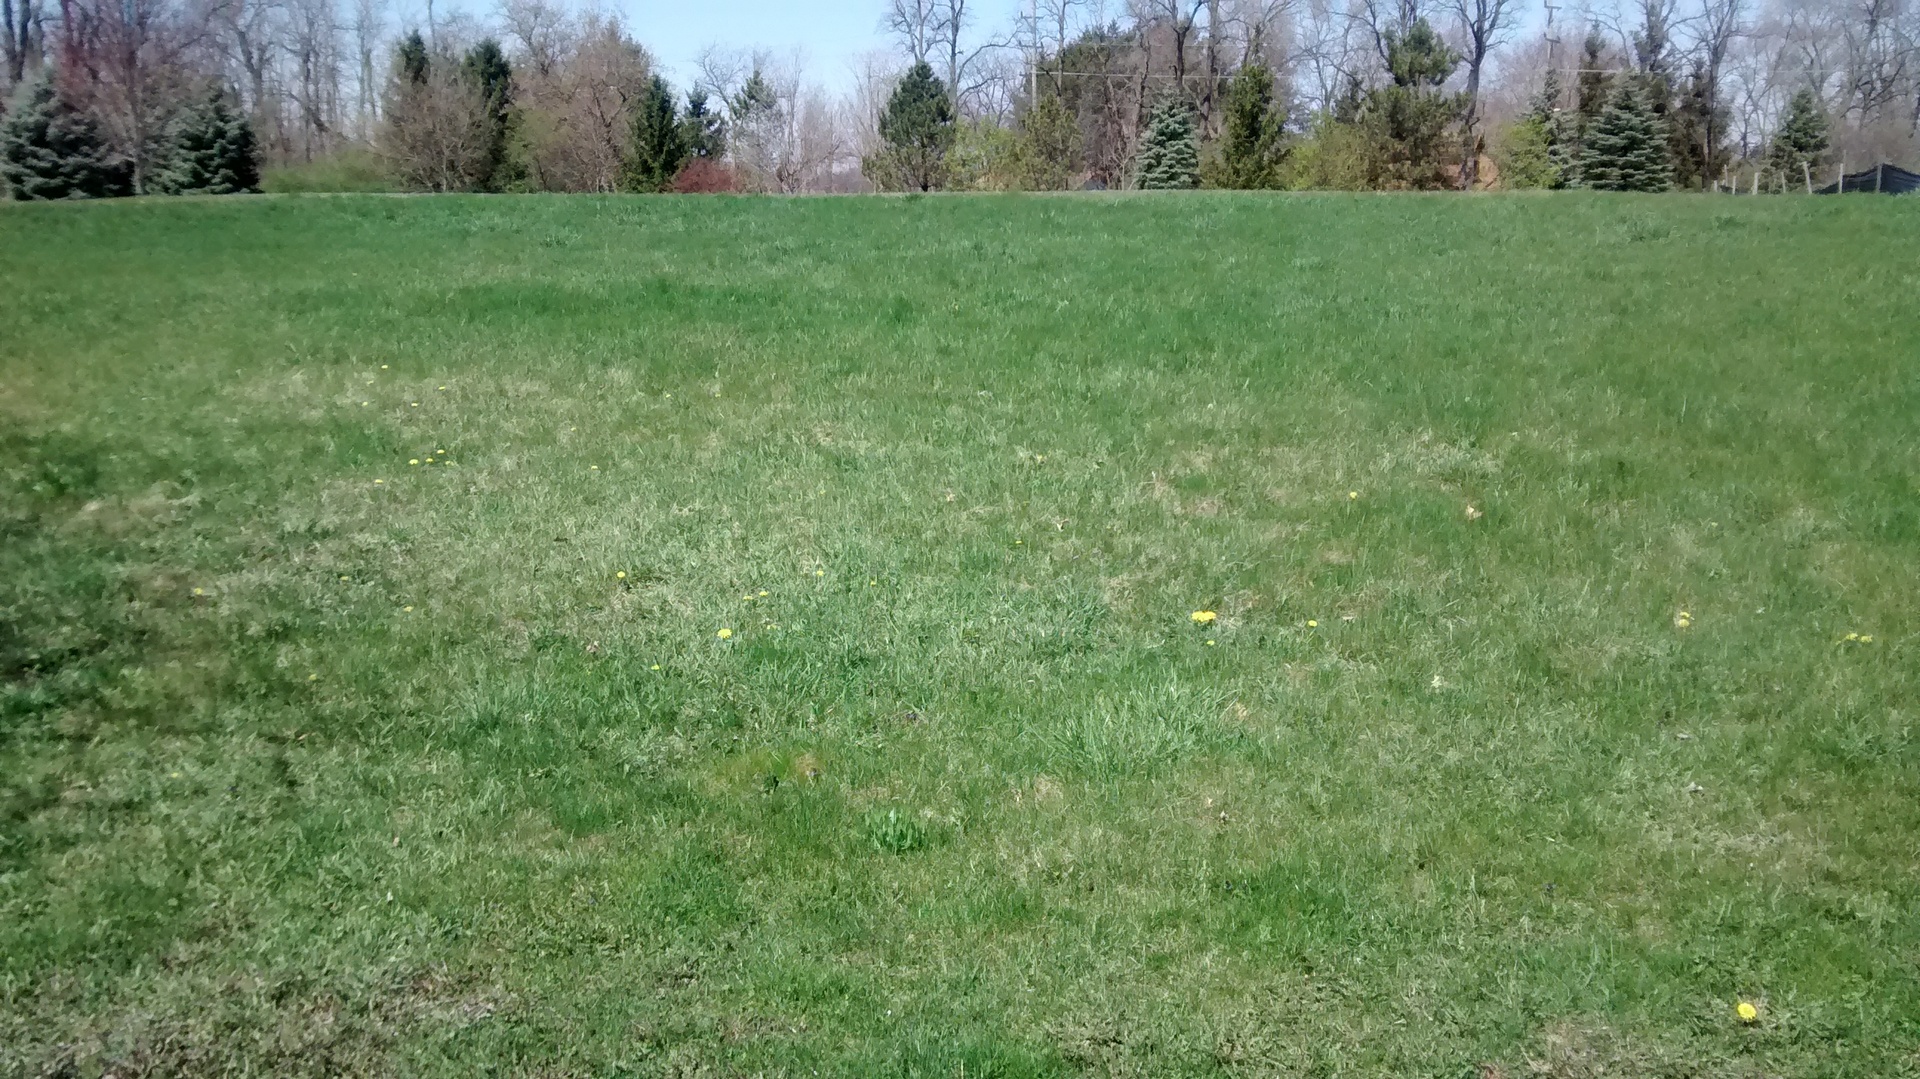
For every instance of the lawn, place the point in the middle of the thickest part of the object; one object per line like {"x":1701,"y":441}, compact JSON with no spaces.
{"x":709,"y":636}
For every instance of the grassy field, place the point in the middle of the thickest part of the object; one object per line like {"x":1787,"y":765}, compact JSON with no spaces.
{"x":626,"y":636}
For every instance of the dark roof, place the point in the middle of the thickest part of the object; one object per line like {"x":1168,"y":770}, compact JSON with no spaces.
{"x":1884,"y":179}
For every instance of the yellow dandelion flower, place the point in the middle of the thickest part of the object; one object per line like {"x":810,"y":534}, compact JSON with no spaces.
{"x":343,"y":576}
{"x":1209,"y":644}
{"x":379,"y":481}
{"x":1853,"y":636}
{"x":1313,"y":623}
{"x":1747,"y":1012}
{"x":748,"y":597}
{"x":655,"y":667}
{"x":383,"y":367}
{"x":443,"y":387}
{"x":819,"y":573}
{"x":1353,"y":496}
{"x":313,"y":678}
{"x":1203,"y":617}
{"x":620,"y":576}
{"x":1866,"y":638}
{"x":724,"y":633}
{"x":414,"y":404}
{"x":763,"y":592}
{"x":413,"y":460}
{"x":199,"y":591}
{"x":593,"y":468}
{"x":408,"y":609}
{"x":365,"y":404}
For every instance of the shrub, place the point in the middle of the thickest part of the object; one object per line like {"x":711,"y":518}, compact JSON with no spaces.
{"x":705,"y":176}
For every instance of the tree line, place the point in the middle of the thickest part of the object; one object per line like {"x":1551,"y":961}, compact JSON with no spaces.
{"x":110,"y":97}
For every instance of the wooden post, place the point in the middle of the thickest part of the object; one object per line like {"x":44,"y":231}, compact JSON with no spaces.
{"x":1756,"y":181}
{"x":1807,"y":171}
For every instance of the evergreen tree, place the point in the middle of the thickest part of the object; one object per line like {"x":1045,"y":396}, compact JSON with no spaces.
{"x":211,"y":151}
{"x":1558,"y":133}
{"x":1049,"y":145}
{"x":1168,"y":157}
{"x":487,"y":72}
{"x":1801,"y":140}
{"x":659,"y":145}
{"x":916,"y":130}
{"x":1592,"y":93}
{"x":1250,"y":149}
{"x":1626,"y":150}
{"x":51,"y":150}
{"x":1409,"y":118}
{"x":1700,"y":124}
{"x":1525,"y":156}
{"x":705,"y":131}
{"x":410,"y":59}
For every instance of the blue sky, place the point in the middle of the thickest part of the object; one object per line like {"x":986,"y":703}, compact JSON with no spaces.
{"x":832,"y":32}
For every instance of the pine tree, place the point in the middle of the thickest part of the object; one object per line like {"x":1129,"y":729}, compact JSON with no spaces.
{"x":487,"y":72}
{"x":1049,"y":144}
{"x":51,"y":150}
{"x":1557,"y":135}
{"x":1168,"y":157}
{"x":703,"y":130}
{"x":1408,"y":119}
{"x":210,"y":151}
{"x":1250,"y":149}
{"x":1593,"y":89}
{"x":410,"y":59}
{"x":1626,"y":150}
{"x":1802,"y":138}
{"x":659,"y":145}
{"x":917,"y":130}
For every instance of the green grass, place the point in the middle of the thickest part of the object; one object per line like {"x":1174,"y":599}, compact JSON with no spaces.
{"x":315,"y":761}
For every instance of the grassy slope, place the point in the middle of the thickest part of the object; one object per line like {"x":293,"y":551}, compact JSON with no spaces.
{"x":984,"y":455}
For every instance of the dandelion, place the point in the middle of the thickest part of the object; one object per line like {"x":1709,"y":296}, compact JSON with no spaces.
{"x":414,"y":404}
{"x":443,"y":387}
{"x":1866,"y":638}
{"x":724,"y":634}
{"x":1353,"y":496}
{"x":365,"y":404}
{"x":1203,"y":617}
{"x":1747,"y":1012}
{"x":655,"y":667}
{"x":763,"y":593}
{"x":1682,"y":620}
{"x":199,"y":591}
{"x":378,"y":482}
{"x":1472,"y":513}
{"x":343,"y":577}
{"x":1210,"y":643}
{"x":313,"y":678}
{"x":408,"y":609}
{"x":819,"y":573}
{"x":620,"y":576}
{"x":748,"y":597}
{"x":1313,"y":623}
{"x":593,"y":468}
{"x":1853,"y":636}
{"x":413,"y":460}
{"x":383,"y":367}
